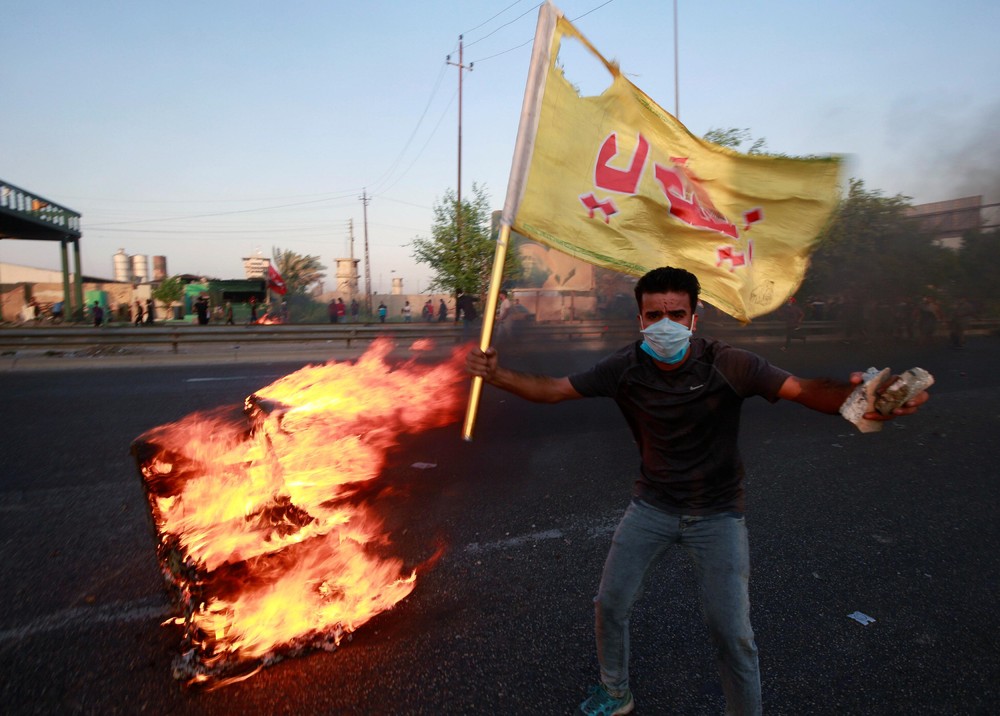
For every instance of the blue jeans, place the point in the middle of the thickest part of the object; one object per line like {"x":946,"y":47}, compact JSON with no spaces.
{"x":718,"y":546}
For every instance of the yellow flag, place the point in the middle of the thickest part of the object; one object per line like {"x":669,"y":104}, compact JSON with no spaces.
{"x":618,"y":182}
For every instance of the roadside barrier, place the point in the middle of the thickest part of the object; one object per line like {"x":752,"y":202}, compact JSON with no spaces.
{"x":68,"y":336}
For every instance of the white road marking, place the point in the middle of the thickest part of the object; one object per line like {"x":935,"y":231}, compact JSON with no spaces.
{"x":210,"y":380}
{"x":152,"y":608}
{"x":591,"y":531}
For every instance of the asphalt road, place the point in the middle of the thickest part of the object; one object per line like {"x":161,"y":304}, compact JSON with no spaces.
{"x":899,"y":525}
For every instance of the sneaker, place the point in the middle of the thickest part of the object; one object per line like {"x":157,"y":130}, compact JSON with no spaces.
{"x":601,"y":703}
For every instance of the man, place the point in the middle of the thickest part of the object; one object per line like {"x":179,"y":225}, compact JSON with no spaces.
{"x":503,"y":328}
{"x":792,"y":315}
{"x":442,"y":312}
{"x":201,"y":308}
{"x":681,"y":396}
{"x":465,"y":308}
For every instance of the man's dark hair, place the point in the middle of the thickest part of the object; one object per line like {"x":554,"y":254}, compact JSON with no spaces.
{"x":668,"y":278}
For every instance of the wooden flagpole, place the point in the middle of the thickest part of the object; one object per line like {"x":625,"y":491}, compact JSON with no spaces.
{"x":537,"y":71}
{"x":496,"y":279}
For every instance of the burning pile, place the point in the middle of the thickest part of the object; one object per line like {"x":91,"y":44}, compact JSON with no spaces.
{"x":261,"y":546}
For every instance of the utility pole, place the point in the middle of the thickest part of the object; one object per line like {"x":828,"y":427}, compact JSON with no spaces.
{"x":354,"y":276}
{"x":368,"y":270}
{"x":458,"y":190}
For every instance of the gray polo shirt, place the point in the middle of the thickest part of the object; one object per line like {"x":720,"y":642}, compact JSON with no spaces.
{"x":685,"y":421}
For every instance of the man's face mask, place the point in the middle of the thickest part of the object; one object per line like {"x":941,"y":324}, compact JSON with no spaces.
{"x":666,"y":341}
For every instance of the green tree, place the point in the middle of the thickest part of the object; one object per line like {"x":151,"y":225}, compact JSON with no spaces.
{"x":872,"y":250}
{"x":735,"y":138}
{"x":169,"y":292}
{"x":299,"y":271}
{"x":977,"y":265}
{"x":462,"y":262}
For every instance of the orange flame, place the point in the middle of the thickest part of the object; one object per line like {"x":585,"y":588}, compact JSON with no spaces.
{"x":259,"y":522}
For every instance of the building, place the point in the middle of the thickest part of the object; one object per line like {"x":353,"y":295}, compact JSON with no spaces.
{"x":256,"y":266}
{"x":949,"y":220}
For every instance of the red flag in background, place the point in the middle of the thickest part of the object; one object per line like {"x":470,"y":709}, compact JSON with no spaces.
{"x":275,"y":282}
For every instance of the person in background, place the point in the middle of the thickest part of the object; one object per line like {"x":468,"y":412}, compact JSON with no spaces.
{"x":201,"y":309}
{"x":504,"y":317}
{"x":792,"y":316}
{"x":465,"y":308}
{"x":137,"y":314}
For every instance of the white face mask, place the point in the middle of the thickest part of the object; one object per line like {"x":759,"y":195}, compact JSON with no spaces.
{"x":666,"y":341}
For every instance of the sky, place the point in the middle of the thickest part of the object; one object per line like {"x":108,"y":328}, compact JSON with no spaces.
{"x":210,"y":131}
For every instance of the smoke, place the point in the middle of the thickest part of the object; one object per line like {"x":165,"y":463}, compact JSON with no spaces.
{"x":975,"y":164}
{"x":949,"y":149}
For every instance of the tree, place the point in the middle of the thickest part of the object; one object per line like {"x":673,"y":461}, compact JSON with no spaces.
{"x":462,"y":263}
{"x":169,"y":292}
{"x":872,"y":250}
{"x":977,"y":265}
{"x":299,"y":271}
{"x":735,"y":138}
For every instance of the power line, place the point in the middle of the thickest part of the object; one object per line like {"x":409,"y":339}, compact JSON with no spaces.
{"x":518,"y":2}
{"x":506,"y":24}
{"x":337,"y":194}
{"x":204,"y":216}
{"x":528,"y":42}
{"x":408,"y":203}
{"x":444,"y":113}
{"x":608,"y":2}
{"x":399,"y":157}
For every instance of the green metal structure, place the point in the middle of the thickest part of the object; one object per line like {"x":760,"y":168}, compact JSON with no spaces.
{"x":28,"y":216}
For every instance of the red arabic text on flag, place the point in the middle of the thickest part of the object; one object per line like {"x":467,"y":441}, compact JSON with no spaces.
{"x":616,"y":181}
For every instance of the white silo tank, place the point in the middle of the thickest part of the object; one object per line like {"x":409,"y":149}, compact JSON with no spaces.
{"x":347,"y":278}
{"x":123,"y":267}
{"x":140,"y":268}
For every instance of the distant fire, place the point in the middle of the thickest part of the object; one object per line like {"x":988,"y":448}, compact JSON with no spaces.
{"x":259,"y":541}
{"x":268,"y":319}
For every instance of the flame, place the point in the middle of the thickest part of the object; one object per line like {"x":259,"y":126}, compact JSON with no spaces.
{"x":257,"y":529}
